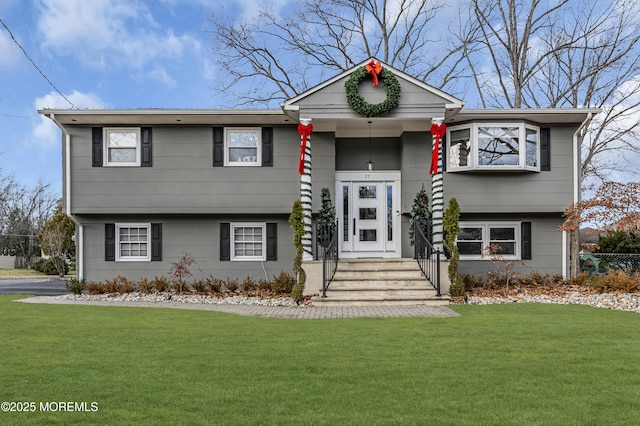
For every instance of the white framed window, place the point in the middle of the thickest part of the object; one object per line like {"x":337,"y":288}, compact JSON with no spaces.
{"x":249,"y":241}
{"x":475,"y":238}
{"x":242,"y":146}
{"x":133,"y":242}
{"x":493,"y":146}
{"x":121,"y":146}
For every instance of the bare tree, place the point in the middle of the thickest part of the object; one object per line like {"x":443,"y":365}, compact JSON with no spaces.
{"x":274,"y":57}
{"x":23,"y":213}
{"x":572,"y":54}
{"x":56,"y":239}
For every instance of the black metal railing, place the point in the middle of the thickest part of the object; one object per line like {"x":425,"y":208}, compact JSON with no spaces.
{"x":427,"y":256}
{"x":327,"y":239}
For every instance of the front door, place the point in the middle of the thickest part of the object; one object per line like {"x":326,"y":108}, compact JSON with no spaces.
{"x":369,"y":213}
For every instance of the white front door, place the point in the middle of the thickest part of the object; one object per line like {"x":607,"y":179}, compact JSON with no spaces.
{"x":369,"y":213}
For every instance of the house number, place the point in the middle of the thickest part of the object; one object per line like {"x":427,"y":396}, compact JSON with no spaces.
{"x":367,"y":176}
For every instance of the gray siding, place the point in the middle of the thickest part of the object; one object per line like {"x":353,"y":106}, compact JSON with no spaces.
{"x":546,"y":248}
{"x":199,"y":236}
{"x":353,"y":153}
{"x":416,"y":160}
{"x":505,"y":192}
{"x":183,"y":179}
{"x":323,"y":159}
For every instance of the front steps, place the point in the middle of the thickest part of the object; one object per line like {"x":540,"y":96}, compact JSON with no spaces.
{"x":379,"y":282}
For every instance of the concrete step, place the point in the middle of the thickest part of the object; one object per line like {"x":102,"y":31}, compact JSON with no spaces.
{"x":366,"y":274}
{"x":380,"y":264}
{"x":379,"y":282}
{"x":381,"y":292}
{"x":379,"y":301}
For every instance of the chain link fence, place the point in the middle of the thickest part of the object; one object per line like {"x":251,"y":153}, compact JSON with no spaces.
{"x":601,"y":263}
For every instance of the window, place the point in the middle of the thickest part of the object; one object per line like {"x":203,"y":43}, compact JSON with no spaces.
{"x":491,"y":146}
{"x":474,"y":238}
{"x":133,"y":242}
{"x":248,"y":241}
{"x":122,"y":147}
{"x":242,"y":147}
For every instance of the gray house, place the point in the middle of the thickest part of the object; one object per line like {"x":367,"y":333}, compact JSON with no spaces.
{"x":146,"y":185}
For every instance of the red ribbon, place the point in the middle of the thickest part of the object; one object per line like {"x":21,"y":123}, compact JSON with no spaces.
{"x":374,"y":69}
{"x":305,"y":132}
{"x":437,"y":131}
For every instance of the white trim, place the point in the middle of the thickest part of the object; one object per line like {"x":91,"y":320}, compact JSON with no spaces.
{"x":119,"y":257}
{"x":390,"y":249}
{"x":233,"y":226}
{"x":67,"y":198}
{"x":257,"y":162}
{"x":105,"y":146}
{"x":486,"y":226}
{"x":565,"y":260}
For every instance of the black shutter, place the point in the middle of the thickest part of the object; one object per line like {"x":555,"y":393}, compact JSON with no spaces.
{"x":96,"y":146}
{"x":109,"y":241}
{"x":545,"y":149}
{"x":225,"y":241}
{"x":525,"y":236}
{"x":267,"y":147}
{"x":272,"y":241}
{"x":146,"y":157}
{"x":156,"y":241}
{"x":218,"y":146}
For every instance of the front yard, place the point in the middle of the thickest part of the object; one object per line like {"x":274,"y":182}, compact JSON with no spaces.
{"x":497,"y":364}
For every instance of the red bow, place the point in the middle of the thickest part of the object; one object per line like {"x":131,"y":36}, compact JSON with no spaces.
{"x":305,"y":132}
{"x":437,"y":131}
{"x":374,"y":69}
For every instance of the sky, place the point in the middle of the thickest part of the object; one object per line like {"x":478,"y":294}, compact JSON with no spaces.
{"x":101,"y":54}
{"x":112,"y":54}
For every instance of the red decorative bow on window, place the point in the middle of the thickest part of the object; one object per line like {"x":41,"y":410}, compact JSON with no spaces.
{"x":374,"y":69}
{"x":305,"y":132}
{"x":438,"y":131}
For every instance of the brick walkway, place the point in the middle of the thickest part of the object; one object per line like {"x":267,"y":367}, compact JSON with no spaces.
{"x":282,"y":312}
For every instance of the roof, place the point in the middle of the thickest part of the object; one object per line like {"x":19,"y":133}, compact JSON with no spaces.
{"x":153,"y":116}
{"x":542,"y":115}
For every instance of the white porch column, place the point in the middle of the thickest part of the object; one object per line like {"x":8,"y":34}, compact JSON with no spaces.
{"x":304,"y":169}
{"x":437,"y":191}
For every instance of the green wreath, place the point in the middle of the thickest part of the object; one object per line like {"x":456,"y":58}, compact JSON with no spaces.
{"x":362,"y":107}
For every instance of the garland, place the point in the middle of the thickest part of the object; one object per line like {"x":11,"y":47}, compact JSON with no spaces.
{"x":360,"y":105}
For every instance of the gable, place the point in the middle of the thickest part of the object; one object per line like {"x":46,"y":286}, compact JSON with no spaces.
{"x":329,"y":99}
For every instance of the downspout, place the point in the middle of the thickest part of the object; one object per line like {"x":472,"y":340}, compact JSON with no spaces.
{"x":578,"y":135}
{"x":67,"y":190}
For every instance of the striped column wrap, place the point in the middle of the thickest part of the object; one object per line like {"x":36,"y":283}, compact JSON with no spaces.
{"x":306,"y":199}
{"x":437,"y":202}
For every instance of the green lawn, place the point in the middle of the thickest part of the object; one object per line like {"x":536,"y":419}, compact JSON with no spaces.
{"x":20,"y":273}
{"x":28,"y":273}
{"x":500,"y":364}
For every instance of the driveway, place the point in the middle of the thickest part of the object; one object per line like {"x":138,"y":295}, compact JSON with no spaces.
{"x":34,"y":286}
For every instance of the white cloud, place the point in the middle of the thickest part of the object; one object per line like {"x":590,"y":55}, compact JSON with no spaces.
{"x":160,"y":74}
{"x":107,"y":33}
{"x":45,"y":132}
